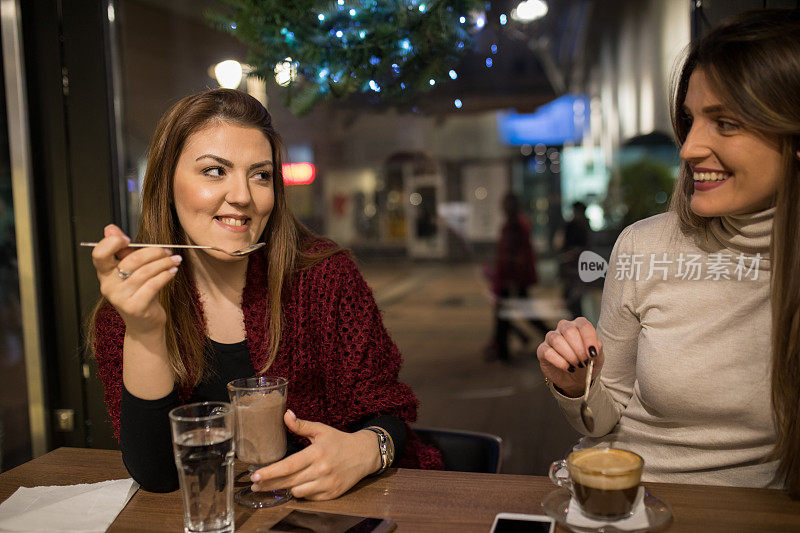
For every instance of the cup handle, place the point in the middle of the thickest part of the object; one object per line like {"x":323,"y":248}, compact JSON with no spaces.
{"x":561,"y":480}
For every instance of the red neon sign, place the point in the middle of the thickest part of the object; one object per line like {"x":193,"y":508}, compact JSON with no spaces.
{"x":298,"y":173}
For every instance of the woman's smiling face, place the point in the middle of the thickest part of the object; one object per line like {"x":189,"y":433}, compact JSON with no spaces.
{"x":735,"y":169}
{"x":223,"y":187}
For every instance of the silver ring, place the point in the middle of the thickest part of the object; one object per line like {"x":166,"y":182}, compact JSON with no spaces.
{"x":124,"y":274}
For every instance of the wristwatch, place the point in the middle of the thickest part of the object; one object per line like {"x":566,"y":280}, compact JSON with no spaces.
{"x":385,"y":448}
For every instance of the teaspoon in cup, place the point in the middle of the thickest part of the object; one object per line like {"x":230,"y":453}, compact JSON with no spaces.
{"x":586,"y":413}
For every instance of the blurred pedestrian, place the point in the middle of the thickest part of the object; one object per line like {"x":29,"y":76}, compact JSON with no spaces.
{"x":576,"y":240}
{"x":514,"y":273}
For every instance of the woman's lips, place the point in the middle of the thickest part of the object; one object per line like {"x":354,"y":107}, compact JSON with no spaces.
{"x":707,"y":185}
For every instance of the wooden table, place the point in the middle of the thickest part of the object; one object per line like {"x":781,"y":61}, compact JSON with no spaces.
{"x":418,"y":501}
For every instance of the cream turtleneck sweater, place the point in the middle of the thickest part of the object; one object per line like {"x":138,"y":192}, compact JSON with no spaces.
{"x":686,"y":379}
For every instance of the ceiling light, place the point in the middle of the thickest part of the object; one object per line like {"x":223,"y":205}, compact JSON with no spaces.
{"x":228,"y":73}
{"x":529,"y":10}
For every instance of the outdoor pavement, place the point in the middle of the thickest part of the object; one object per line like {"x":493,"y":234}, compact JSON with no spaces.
{"x":440,"y":316}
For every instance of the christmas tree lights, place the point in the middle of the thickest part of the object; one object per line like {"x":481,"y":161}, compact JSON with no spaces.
{"x":389,"y":49}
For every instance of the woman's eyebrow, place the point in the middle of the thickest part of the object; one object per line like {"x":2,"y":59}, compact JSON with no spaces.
{"x":710,"y":109}
{"x":267,"y":163}
{"x":716,"y":108}
{"x":227,"y":163}
{"x":216,"y":158}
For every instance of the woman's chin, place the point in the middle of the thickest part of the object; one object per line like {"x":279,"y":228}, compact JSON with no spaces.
{"x":703,"y":208}
{"x":706,"y":209}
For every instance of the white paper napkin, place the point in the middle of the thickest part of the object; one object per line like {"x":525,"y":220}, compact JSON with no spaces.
{"x":637,"y":520}
{"x":86,"y":508}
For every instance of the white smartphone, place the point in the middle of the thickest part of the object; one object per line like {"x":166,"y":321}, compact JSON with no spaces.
{"x":522,"y":523}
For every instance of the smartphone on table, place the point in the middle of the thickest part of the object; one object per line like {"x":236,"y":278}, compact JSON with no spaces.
{"x":317,"y":522}
{"x":522,"y":523}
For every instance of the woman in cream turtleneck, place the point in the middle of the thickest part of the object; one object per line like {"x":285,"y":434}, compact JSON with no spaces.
{"x":697,"y":350}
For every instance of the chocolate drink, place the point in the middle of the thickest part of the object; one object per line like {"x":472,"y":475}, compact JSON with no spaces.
{"x":260,"y":433}
{"x":605,"y":480}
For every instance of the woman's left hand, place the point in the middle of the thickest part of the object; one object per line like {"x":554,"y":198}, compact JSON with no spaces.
{"x":326,"y":469}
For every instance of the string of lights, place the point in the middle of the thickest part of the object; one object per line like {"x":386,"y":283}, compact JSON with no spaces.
{"x":389,"y":50}
{"x":393,"y":49}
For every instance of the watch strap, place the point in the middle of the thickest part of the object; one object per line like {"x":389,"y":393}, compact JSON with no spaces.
{"x":385,"y":448}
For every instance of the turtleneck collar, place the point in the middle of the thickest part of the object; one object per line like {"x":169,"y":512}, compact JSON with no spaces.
{"x":750,"y":233}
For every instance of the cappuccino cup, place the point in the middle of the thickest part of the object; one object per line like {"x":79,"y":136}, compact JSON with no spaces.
{"x":604,"y":481}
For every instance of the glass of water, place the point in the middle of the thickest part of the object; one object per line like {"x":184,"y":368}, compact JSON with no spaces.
{"x":202,"y":439}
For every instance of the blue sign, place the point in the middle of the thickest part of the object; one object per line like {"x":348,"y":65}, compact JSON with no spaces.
{"x":558,"y":122}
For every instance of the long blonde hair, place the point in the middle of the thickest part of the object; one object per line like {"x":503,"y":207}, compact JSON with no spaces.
{"x":753,"y":62}
{"x":284,"y":234}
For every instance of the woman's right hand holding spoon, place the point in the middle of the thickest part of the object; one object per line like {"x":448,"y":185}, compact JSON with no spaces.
{"x":565,"y":353}
{"x":131,"y":279}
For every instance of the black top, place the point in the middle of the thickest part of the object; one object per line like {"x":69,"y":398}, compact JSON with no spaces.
{"x":144,"y":432}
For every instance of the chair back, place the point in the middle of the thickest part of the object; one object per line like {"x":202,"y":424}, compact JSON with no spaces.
{"x":465,"y":451}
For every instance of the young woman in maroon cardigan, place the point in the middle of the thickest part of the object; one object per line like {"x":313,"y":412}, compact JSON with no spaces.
{"x":173,"y":328}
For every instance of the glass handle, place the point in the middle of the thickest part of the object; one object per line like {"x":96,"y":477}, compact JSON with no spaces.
{"x":562,"y":480}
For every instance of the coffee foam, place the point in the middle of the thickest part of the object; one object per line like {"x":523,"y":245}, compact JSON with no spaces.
{"x":605,"y":468}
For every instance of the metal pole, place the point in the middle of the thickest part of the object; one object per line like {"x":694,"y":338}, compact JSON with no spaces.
{"x":24,"y":220}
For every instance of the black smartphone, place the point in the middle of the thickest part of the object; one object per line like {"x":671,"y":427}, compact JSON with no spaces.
{"x":315,"y":522}
{"x":522,"y":523}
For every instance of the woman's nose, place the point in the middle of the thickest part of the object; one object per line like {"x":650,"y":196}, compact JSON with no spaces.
{"x":696,"y":146}
{"x":238,"y":191}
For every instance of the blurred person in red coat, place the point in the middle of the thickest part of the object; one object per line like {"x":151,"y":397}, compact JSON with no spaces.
{"x":514,"y":272}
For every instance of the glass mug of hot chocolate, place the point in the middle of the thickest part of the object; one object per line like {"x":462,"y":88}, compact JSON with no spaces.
{"x":604,"y":481}
{"x":258,"y":405}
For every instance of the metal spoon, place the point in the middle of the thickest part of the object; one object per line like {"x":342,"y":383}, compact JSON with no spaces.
{"x":236,"y":253}
{"x":586,"y":412}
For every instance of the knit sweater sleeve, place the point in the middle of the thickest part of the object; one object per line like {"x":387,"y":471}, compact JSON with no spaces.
{"x":618,"y":328}
{"x":109,"y":337}
{"x":362,"y":381}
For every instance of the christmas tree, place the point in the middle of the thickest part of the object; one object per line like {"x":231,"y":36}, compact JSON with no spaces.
{"x":390,"y":49}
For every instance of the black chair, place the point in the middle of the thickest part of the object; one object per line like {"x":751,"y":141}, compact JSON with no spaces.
{"x":465,"y":451}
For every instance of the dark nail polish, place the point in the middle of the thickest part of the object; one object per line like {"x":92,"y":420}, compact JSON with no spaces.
{"x":592,"y":351}
{"x":571,"y":369}
{"x":580,"y":364}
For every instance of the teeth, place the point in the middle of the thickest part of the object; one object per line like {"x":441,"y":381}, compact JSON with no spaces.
{"x":710,"y":176}
{"x":232,"y":221}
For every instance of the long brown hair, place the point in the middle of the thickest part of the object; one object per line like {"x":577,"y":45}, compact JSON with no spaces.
{"x":752,"y":60}
{"x":285,"y":236}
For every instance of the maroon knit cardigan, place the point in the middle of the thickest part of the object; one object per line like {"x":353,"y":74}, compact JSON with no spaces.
{"x":341,"y":364}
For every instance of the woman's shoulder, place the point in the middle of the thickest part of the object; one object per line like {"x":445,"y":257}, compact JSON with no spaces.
{"x":327,"y":259}
{"x":318,"y":245}
{"x":656,"y":224}
{"x":331,"y":274}
{"x":660,"y":232}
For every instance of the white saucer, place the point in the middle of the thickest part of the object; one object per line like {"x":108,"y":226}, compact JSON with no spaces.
{"x":556,"y":505}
